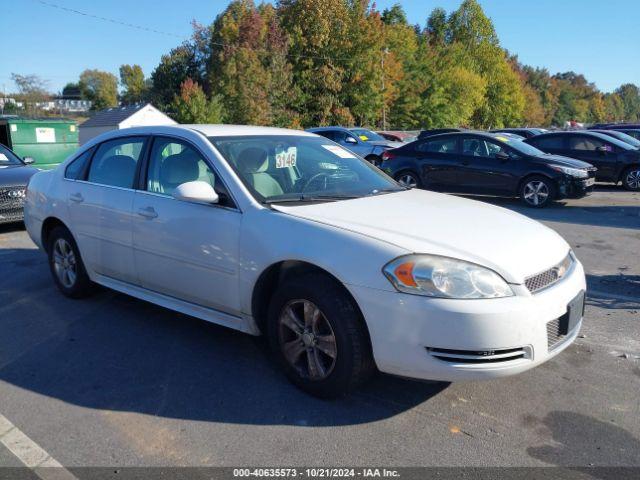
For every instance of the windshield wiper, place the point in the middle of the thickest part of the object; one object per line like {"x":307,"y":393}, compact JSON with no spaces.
{"x":309,"y":198}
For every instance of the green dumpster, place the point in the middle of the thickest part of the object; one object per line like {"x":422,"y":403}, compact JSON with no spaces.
{"x":47,"y":141}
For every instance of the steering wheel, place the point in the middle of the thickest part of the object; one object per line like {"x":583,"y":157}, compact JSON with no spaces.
{"x":314,"y":178}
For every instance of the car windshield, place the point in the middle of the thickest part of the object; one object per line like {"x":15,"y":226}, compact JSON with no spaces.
{"x":367,"y":135}
{"x":301,"y":168}
{"x":626,"y":138}
{"x":7,"y":157}
{"x":518,"y":145}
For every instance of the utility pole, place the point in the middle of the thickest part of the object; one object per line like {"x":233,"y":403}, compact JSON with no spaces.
{"x":384,"y":104}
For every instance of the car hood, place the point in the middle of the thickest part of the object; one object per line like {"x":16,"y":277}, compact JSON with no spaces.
{"x":564,"y":161}
{"x":427,"y":222}
{"x":16,"y":175}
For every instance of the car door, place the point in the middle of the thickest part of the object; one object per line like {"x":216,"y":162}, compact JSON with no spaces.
{"x":182,"y":249}
{"x":100,"y":201}
{"x":438,"y":160}
{"x":599,"y":153}
{"x":483,"y":171}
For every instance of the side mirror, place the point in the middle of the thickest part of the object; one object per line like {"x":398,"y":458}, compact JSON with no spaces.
{"x":28,"y":160}
{"x":196,"y":192}
{"x":503,"y":156}
{"x":350,"y":140}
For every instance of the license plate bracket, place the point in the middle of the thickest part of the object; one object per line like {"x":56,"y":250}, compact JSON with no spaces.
{"x":575,"y":312}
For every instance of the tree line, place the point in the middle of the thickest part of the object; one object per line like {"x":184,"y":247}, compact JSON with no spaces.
{"x":302,"y":63}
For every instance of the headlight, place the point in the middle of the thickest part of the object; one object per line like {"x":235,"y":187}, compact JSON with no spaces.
{"x":573,"y":172}
{"x":444,"y":277}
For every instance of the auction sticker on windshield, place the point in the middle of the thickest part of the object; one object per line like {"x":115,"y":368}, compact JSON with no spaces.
{"x":286,"y":158}
{"x":339,"y":151}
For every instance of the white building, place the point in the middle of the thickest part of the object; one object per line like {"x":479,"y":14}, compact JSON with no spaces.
{"x":117,"y":118}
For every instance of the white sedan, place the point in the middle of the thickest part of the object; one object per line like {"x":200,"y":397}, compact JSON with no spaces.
{"x":286,"y":233}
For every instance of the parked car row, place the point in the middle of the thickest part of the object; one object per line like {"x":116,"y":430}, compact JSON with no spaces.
{"x":534,"y":164}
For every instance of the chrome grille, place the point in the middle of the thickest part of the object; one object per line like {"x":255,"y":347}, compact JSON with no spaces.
{"x":479,"y":356}
{"x":547,"y":278}
{"x":554,"y":337}
{"x":12,"y":203}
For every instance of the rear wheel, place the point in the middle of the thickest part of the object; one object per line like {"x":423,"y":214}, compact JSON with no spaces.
{"x":66,"y":264}
{"x":374,"y":160}
{"x":537,"y":191}
{"x":319,"y":336}
{"x":631,"y":179}
{"x":408,"y":179}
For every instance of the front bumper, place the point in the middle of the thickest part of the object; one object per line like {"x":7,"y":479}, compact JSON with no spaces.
{"x":415,"y":336}
{"x":12,"y":206}
{"x":573,"y":187}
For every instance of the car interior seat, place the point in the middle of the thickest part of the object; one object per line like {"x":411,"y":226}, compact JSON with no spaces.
{"x":178,"y":169}
{"x":116,"y":170}
{"x":253,"y":162}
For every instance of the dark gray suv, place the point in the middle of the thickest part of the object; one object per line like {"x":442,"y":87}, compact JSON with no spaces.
{"x":14,"y":177}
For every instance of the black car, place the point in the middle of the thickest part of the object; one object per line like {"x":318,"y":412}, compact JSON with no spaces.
{"x":523,"y":132}
{"x":632,"y":132}
{"x":615,"y":160}
{"x":620,"y":135}
{"x":14,"y":176}
{"x":437,"y":131}
{"x":489,"y":164}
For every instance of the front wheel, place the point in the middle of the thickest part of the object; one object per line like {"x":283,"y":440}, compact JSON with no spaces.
{"x":631,"y":179}
{"x":537,"y":191}
{"x":319,"y":336}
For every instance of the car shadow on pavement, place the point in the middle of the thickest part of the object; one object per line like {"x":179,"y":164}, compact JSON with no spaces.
{"x":614,"y":291}
{"x":576,"y":439}
{"x":114,"y":352}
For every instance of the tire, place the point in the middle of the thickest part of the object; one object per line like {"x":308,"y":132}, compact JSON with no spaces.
{"x":631,"y":179}
{"x":374,"y":160}
{"x":537,"y":191}
{"x":319,"y":336}
{"x":66,"y":265}
{"x":408,"y":178}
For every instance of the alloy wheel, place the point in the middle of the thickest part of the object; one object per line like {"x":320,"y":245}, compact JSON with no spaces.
{"x":633,"y":179}
{"x":536,"y":192}
{"x":407,"y":180}
{"x":307,"y":340}
{"x":64,"y":263}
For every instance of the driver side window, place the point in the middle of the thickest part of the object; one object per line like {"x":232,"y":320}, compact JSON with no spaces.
{"x":173,"y":162}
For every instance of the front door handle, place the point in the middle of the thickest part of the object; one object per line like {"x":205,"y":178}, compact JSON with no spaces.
{"x":148,"y":212}
{"x":76,"y":197}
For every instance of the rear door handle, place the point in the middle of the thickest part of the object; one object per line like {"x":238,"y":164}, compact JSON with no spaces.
{"x":76,"y":197}
{"x":148,"y":212}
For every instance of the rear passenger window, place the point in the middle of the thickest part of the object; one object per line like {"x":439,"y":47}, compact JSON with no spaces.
{"x":585,"y":143}
{"x":447,"y":145}
{"x":555,"y":141}
{"x":76,"y":168}
{"x":115,"y":162}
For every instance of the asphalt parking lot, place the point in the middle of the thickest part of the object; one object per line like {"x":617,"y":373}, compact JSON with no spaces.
{"x":114,"y":381}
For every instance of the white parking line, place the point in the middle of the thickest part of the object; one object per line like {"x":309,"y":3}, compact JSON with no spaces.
{"x":31,"y":454}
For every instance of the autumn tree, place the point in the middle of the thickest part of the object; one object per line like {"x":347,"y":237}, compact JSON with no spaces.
{"x":630,"y":96}
{"x":134,"y":84}
{"x":32,"y":89}
{"x":192,"y":106}
{"x":99,"y":87}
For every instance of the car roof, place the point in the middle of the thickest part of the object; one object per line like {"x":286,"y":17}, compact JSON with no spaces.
{"x":480,"y":133}
{"x":601,"y":136}
{"x":324,"y":129}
